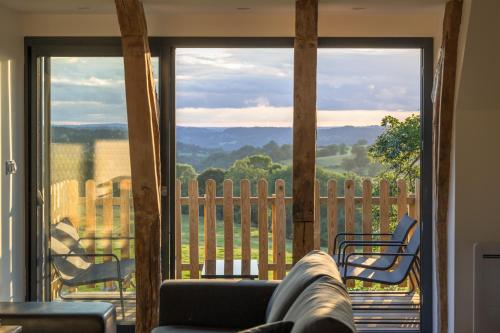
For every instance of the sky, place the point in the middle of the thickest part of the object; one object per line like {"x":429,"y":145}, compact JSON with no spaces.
{"x":247,"y":87}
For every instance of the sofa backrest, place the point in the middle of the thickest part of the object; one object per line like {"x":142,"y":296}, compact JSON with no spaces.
{"x":324,"y":306}
{"x":313,"y":266}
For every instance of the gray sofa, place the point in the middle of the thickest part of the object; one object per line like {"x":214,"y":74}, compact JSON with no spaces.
{"x":312,"y":296}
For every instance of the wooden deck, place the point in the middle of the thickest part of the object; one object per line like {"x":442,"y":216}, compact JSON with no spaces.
{"x":396,"y":312}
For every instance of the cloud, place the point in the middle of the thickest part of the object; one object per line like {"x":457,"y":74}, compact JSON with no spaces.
{"x":269,"y":116}
{"x":90,"y":82}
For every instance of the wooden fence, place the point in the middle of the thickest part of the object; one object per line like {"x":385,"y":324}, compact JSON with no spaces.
{"x":96,"y":212}
{"x":276,"y":206}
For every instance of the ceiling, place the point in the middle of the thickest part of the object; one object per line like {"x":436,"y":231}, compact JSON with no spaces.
{"x":187,"y":6}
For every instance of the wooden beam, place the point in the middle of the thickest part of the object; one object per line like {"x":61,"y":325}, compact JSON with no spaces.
{"x":144,"y":158}
{"x":304,"y":126}
{"x":444,"y":107}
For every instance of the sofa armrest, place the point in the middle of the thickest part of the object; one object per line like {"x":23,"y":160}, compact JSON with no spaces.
{"x":215,"y":303}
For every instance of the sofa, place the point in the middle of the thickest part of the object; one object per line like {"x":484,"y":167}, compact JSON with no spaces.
{"x":311,"y":298}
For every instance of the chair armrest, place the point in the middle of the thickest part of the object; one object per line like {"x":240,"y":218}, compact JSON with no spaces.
{"x":112,"y":255}
{"x":382,"y":254}
{"x":340,"y":234}
{"x":215,"y":303}
{"x":346,"y":244}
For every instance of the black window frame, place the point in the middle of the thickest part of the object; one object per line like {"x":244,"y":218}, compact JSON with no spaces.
{"x":164,"y":48}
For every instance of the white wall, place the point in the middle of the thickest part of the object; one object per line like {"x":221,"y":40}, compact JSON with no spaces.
{"x":12,"y":272}
{"x":477,"y":161}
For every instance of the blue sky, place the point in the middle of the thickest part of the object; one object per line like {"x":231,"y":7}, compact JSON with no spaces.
{"x":247,"y":87}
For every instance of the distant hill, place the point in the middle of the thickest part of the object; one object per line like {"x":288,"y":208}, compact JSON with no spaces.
{"x":236,"y":137}
{"x":228,"y":139}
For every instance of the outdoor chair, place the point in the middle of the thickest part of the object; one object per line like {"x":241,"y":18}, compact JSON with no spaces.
{"x":382,"y":262}
{"x":74,"y":267}
{"x":408,"y":263}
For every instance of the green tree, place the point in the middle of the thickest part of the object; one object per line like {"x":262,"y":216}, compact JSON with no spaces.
{"x":211,"y":173}
{"x":185,"y":173}
{"x":397,"y":149}
{"x":342,"y":149}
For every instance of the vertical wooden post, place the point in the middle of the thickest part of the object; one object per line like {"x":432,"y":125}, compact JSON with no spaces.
{"x":90,"y":217}
{"x":107,"y":222}
{"x":367,"y":216}
{"x":144,"y":147}
{"x":349,"y":210}
{"x":125,"y":217}
{"x":402,"y":198}
{"x":384,"y":207}
{"x":73,"y":200}
{"x":228,"y":211}
{"x":279,"y":231}
{"x":304,"y":125}
{"x":317,"y":216}
{"x":194,"y":215}
{"x":444,"y":106}
{"x":210,"y":219}
{"x":245,"y":226}
{"x":332,"y":214}
{"x":263,"y":229}
{"x":178,"y":230}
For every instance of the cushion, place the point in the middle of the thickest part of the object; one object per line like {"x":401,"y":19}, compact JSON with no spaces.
{"x":313,"y":266}
{"x":276,"y":327}
{"x":191,"y":329}
{"x":324,"y":306}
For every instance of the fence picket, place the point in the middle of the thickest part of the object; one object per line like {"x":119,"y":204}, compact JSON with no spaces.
{"x":349,"y":214}
{"x":245,"y":209}
{"x":125,"y":217}
{"x":210,"y":221}
{"x":228,"y":209}
{"x":367,"y":216}
{"x":90,"y":218}
{"x":384,"y":207}
{"x":73,"y":203}
{"x":263,"y":230}
{"x":193,"y":229}
{"x":108,"y":222}
{"x":402,"y":199}
{"x":279,"y":230}
{"x":178,"y":230}
{"x":332,"y":214}
{"x":317,"y":217}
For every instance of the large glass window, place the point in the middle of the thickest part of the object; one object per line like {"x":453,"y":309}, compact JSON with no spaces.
{"x":234,"y":126}
{"x":91,"y":214}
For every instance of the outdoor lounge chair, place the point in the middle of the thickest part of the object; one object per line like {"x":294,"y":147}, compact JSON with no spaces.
{"x":408,"y":263}
{"x":381,"y":262}
{"x":73,"y":266}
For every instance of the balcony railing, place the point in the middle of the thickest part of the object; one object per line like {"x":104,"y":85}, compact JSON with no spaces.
{"x":255,"y":225}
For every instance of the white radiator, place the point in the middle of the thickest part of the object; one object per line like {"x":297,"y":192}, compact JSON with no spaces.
{"x":486,"y":286}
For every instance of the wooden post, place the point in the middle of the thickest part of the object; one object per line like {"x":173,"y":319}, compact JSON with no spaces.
{"x":444,"y":108}
{"x":332,"y":214}
{"x":107,"y":223}
{"x":317,"y":216}
{"x":279,"y":229}
{"x":73,"y":200}
{"x":210,"y":219}
{"x":384,"y":208}
{"x":304,"y":126}
{"x":90,"y":217}
{"x":144,"y":147}
{"x":194,"y":215}
{"x":263,"y":229}
{"x":178,"y":230}
{"x":245,"y":226}
{"x":125,"y":217}
{"x":367,"y":216}
{"x":228,"y":212}
{"x":349,"y":210}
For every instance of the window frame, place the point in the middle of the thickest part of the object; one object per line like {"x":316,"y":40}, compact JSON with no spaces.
{"x":164,"y":48}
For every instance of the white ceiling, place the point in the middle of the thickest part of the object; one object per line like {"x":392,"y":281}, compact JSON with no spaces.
{"x":177,"y":6}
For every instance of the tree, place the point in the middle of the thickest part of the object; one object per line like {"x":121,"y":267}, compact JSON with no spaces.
{"x":342,"y":149}
{"x":211,"y":173}
{"x":185,"y":173}
{"x":397,"y":149}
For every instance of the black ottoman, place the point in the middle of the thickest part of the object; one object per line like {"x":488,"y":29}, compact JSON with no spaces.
{"x":60,"y":317}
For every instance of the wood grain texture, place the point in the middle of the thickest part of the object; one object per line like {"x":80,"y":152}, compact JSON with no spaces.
{"x":279,"y":231}
{"x":402,"y":197}
{"x":210,"y":227}
{"x":332,"y":214}
{"x":125,"y":217}
{"x":304,"y":126}
{"x":178,"y":230}
{"x":444,"y":109}
{"x":317,"y":216}
{"x":228,"y":212}
{"x":349,"y":210}
{"x":194,"y":213}
{"x":245,"y":209}
{"x":144,"y":141}
{"x":263,"y":229}
{"x":384,"y":208}
{"x":367,"y":217}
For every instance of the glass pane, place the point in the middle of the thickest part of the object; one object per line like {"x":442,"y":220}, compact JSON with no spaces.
{"x":234,"y":122}
{"x":369,"y":137}
{"x":91,"y":210}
